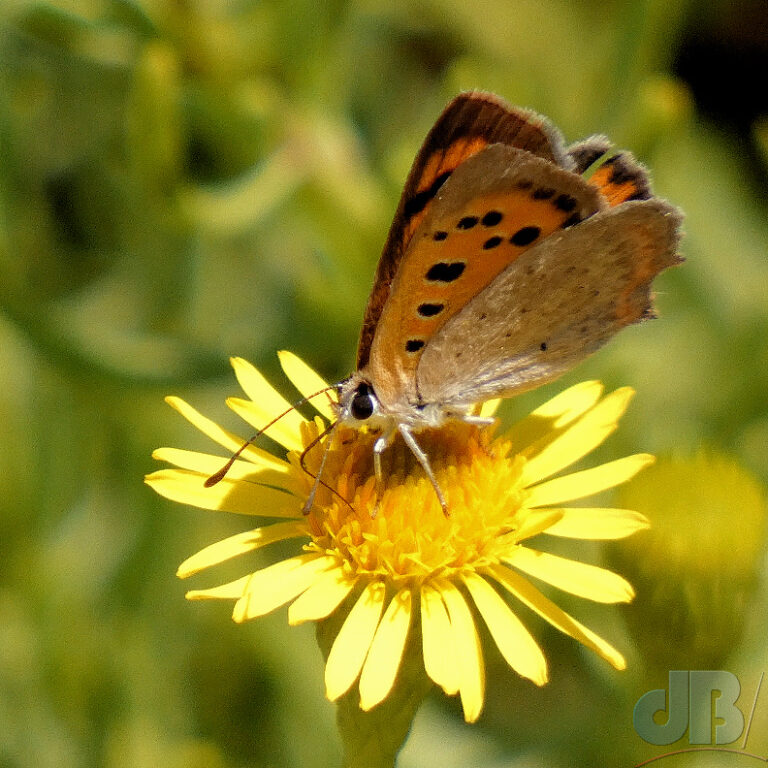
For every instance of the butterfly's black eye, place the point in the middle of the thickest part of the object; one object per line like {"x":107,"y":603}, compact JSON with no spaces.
{"x":362,"y":405}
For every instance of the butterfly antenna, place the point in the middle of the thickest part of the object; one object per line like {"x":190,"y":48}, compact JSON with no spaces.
{"x":217,"y":477}
{"x":317,"y":477}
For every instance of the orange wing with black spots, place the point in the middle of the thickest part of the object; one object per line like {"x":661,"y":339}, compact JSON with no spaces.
{"x":552,"y":307}
{"x":497,"y":204}
{"x":509,"y":260}
{"x":620,"y":178}
{"x":470,"y":123}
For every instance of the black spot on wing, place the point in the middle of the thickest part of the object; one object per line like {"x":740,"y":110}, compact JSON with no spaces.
{"x":620,"y":170}
{"x":525,"y":236}
{"x":430,"y":310}
{"x":624,"y":169}
{"x":413,"y":345}
{"x":491,"y":242}
{"x":565,"y":203}
{"x":419,"y":201}
{"x":574,"y":218}
{"x":586,"y":153}
{"x":467,"y":222}
{"x":492,"y":218}
{"x":445,"y":272}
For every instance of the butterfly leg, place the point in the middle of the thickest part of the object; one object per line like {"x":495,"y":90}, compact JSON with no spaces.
{"x":378,"y":448}
{"x":478,"y":421}
{"x":423,"y":459}
{"x":317,"y":481}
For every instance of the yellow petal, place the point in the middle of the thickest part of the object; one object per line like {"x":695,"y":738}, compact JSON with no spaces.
{"x":274,"y":471}
{"x":556,"y":413}
{"x":233,"y":590}
{"x":582,"y":579}
{"x":536,"y":522}
{"x":221,"y":436}
{"x":239,"y":544}
{"x":469,"y":654}
{"x":598,"y":523}
{"x":351,"y":645}
{"x":577,"y":485}
{"x":279,"y":583}
{"x":489,"y":407}
{"x":581,"y":437}
{"x":570,"y":403}
{"x":558,"y":618}
{"x":285,"y":431}
{"x":515,"y":642}
{"x":322,"y":597}
{"x":228,"y":495}
{"x":308,"y":382}
{"x":437,"y":641}
{"x":264,"y":405}
{"x":386,"y":652}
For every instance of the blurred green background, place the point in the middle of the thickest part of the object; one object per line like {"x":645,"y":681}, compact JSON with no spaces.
{"x":186,"y":180}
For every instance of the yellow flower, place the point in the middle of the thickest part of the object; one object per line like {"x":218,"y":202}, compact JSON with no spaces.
{"x":698,"y":570}
{"x":410,"y":563}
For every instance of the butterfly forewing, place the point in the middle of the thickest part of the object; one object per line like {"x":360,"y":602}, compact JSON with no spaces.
{"x":470,"y":123}
{"x":552,"y":307}
{"x":497,"y":205}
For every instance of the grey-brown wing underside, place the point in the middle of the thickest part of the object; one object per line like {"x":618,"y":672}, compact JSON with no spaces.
{"x":552,"y":307}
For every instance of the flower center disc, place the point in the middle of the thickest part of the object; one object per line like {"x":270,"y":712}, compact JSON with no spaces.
{"x":405,"y":534}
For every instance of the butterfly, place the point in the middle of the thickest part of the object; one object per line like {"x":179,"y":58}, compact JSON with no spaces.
{"x":504,"y":267}
{"x":510,"y":259}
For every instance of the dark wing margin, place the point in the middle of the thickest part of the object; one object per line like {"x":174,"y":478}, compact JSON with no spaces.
{"x":471,"y":122}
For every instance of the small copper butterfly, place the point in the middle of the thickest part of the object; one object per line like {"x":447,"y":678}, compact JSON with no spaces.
{"x":510,"y":259}
{"x":504,"y":267}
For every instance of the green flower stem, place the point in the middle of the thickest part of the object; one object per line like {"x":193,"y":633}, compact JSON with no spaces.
{"x":373,"y":739}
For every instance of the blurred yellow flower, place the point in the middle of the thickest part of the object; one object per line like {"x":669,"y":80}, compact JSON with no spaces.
{"x":699,"y":566}
{"x":409,"y":562}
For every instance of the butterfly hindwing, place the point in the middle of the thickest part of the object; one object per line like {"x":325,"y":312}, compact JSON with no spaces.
{"x":584,"y":154}
{"x":553,"y":306}
{"x":621,"y":178}
{"x":471,"y":122}
{"x":497,"y":205}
